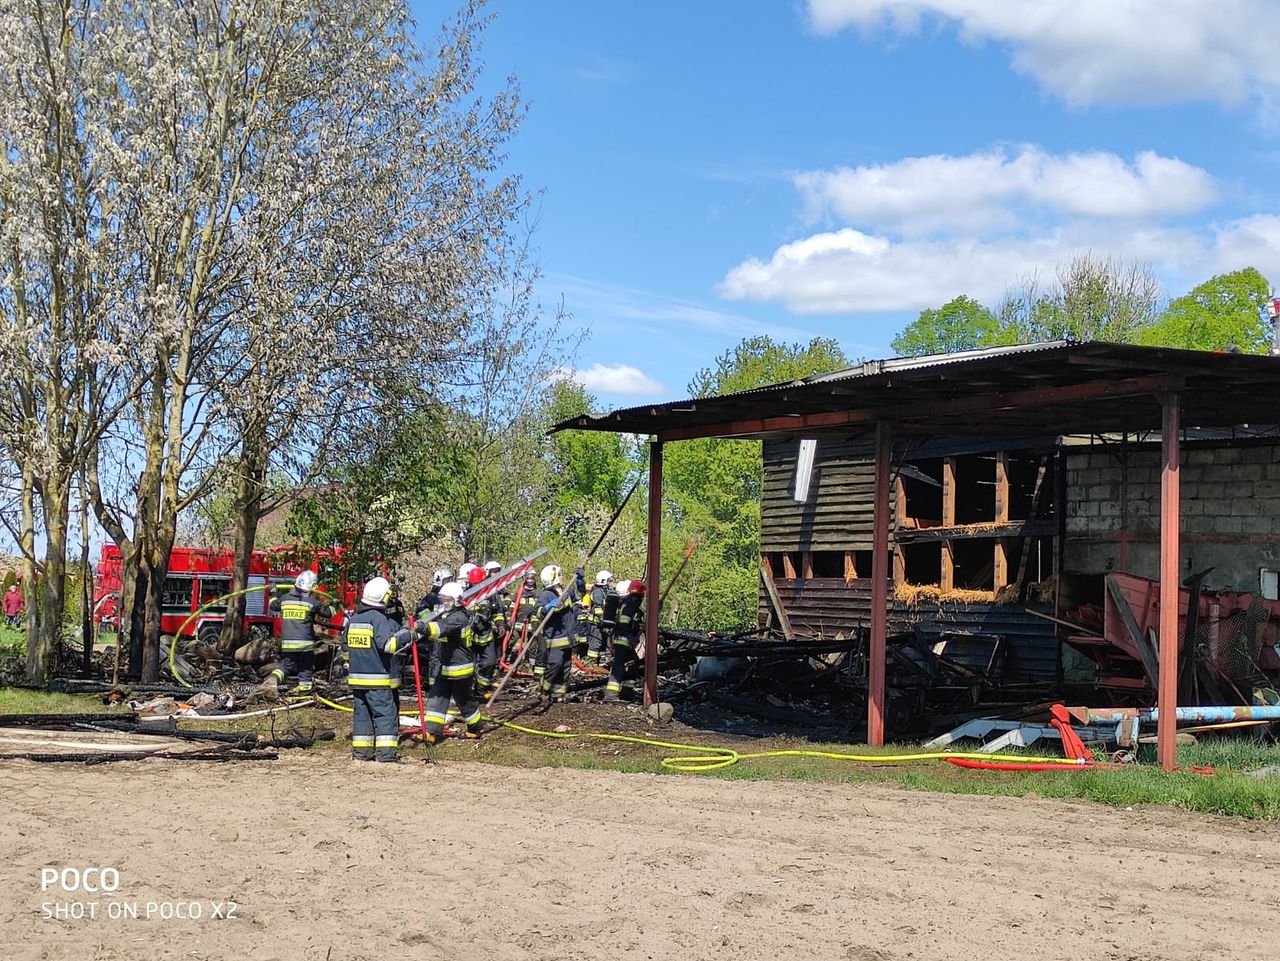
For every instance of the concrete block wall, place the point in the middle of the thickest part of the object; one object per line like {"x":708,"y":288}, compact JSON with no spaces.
{"x":1230,"y":510}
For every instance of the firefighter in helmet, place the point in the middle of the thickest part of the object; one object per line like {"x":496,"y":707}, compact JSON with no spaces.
{"x":559,"y":607}
{"x":300,"y":612}
{"x":591,"y":619}
{"x":371,"y":642}
{"x":450,"y":634}
{"x":626,"y":635}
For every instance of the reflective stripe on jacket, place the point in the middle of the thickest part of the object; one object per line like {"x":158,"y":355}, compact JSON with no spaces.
{"x":369,"y":641}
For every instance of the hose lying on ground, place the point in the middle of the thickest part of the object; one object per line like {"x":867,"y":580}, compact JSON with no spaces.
{"x":704,"y":758}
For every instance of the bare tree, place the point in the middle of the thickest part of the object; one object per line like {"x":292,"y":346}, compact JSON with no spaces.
{"x":1093,"y":299}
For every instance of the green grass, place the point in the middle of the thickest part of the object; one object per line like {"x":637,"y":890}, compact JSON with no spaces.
{"x":21,"y":700}
{"x":1227,"y":792}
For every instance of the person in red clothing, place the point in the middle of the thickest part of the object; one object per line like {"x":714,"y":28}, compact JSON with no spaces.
{"x":13,"y":606}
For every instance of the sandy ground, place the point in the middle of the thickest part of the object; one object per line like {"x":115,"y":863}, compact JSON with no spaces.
{"x":328,"y":860}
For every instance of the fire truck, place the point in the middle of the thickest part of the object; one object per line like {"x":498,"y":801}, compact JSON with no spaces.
{"x":197,"y":578}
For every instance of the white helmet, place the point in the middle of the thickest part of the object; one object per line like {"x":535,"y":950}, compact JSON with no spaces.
{"x":492,"y":567}
{"x":464,"y":572}
{"x":550,"y":575}
{"x":622,"y":587}
{"x":441,"y":577}
{"x":377,"y":591}
{"x":305,"y":582}
{"x":603,"y":579}
{"x":450,"y":593}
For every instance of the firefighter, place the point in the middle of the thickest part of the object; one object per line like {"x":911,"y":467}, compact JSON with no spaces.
{"x":451,"y":637}
{"x":559,"y":606}
{"x":299,"y":614}
{"x":489,"y":623}
{"x":626,"y":635}
{"x":527,"y":611}
{"x":371,"y":642}
{"x":591,"y":619}
{"x":431,"y":600}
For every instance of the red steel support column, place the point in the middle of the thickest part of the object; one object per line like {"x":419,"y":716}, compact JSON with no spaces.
{"x":879,"y":588}
{"x":653,"y":576}
{"x":1170,"y":517}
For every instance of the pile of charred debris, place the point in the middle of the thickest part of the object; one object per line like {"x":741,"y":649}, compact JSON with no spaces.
{"x":757,"y":685}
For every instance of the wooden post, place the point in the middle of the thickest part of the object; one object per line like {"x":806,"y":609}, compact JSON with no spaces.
{"x":1000,"y":569}
{"x":788,"y":566}
{"x":1170,"y":517}
{"x":850,"y":566}
{"x":775,"y":602}
{"x":653,"y":577}
{"x":806,"y":565}
{"x":948,"y":579}
{"x":879,"y":588}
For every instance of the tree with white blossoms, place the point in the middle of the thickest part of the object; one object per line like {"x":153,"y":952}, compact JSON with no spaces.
{"x":279,"y":210}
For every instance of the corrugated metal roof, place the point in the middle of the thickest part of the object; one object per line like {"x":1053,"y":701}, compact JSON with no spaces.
{"x":1049,"y":387}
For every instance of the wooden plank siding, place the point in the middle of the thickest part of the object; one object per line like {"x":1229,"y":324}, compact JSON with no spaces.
{"x":838,"y":514}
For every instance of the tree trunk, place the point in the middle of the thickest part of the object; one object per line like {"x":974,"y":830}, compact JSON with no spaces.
{"x":133,"y":607}
{"x":156,"y":566}
{"x":246,"y":510}
{"x":30,"y":596}
{"x":42,"y":645}
{"x":86,"y":583}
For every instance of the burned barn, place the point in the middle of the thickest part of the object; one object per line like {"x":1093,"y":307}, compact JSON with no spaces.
{"x":1020,"y":512}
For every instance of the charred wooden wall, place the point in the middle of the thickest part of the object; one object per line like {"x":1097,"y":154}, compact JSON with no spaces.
{"x":825,"y":607}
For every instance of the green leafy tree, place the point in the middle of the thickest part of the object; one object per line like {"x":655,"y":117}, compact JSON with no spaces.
{"x":959,"y":324}
{"x":712,"y":487}
{"x":1224,"y":310}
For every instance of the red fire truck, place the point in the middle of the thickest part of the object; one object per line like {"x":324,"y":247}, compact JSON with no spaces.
{"x":197,"y":577}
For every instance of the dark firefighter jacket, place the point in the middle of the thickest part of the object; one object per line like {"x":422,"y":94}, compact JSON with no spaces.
{"x":451,"y":634}
{"x":299,"y":613}
{"x":369,"y":641}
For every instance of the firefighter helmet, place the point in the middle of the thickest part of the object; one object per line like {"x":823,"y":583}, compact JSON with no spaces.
{"x":476,"y":576}
{"x":441,"y":578}
{"x":305,"y":582}
{"x":450,"y":593}
{"x":491,"y":568}
{"x":603,"y":578}
{"x":550,"y":575}
{"x":377,"y":591}
{"x":464,"y":572}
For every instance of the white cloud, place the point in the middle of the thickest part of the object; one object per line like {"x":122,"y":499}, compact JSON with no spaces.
{"x":847,"y":271}
{"x":921,"y":194}
{"x":620,"y":379}
{"x":1089,"y":51}
{"x":919,"y":231}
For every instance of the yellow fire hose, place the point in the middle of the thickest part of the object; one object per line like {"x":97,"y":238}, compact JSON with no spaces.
{"x":714,"y":758}
{"x":708,"y":758}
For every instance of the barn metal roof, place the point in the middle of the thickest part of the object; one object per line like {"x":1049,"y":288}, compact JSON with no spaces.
{"x":1051,"y":387}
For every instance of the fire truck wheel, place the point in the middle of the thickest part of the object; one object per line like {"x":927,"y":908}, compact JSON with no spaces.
{"x":208,"y":634}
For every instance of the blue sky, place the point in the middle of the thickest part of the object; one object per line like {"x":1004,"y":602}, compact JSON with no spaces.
{"x":719,"y":168}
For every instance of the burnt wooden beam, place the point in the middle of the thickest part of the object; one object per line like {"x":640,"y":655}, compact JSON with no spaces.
{"x":1043,"y":527}
{"x":1000,"y":562}
{"x":948,"y":579}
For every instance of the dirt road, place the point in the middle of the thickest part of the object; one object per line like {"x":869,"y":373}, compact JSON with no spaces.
{"x":327,"y":860}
